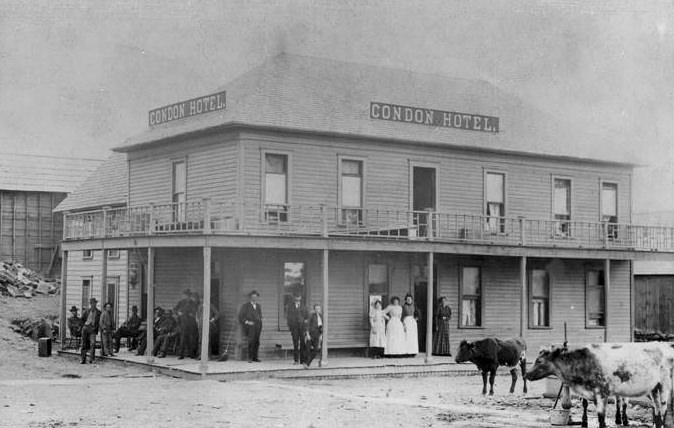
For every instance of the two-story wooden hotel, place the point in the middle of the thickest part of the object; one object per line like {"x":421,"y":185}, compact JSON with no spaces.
{"x":346,"y":183}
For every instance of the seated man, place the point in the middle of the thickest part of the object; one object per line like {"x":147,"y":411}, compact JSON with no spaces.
{"x":129,"y":329}
{"x":142,"y":335}
{"x":167,"y":332}
{"x":75,"y":323}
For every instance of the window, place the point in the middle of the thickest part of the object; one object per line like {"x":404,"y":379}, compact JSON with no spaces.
{"x":561,"y":207}
{"x":539,"y":296}
{"x":113,"y":254}
{"x":471,"y":297}
{"x":594,"y":298}
{"x":86,"y":293}
{"x":351,"y":192}
{"x":495,"y":202}
{"x":294,"y":283}
{"x":179,"y":188}
{"x":609,"y":208}
{"x":377,"y":287}
{"x":275,"y":187}
{"x":87,"y":254}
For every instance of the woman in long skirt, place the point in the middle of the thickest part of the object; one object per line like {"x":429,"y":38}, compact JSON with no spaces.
{"x":441,"y":334}
{"x":410,"y":316}
{"x":377,"y":330}
{"x":395,"y":333}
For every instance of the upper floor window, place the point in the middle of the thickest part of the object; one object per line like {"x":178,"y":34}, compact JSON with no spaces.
{"x":539,"y":298}
{"x":471,"y":297}
{"x":609,"y":208}
{"x":561,"y":206}
{"x":179,"y":190}
{"x":351,"y":191}
{"x":495,"y":202}
{"x":595,"y":298}
{"x":276,"y":187}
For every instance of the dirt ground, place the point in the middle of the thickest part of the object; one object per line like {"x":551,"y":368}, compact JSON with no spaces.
{"x":59,"y":392}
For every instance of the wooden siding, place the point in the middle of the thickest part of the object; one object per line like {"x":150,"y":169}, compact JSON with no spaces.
{"x":647,"y":267}
{"x":80,"y":268}
{"x":177,"y":269}
{"x":654,"y":303}
{"x":313,"y":175}
{"x":29,"y":230}
{"x":212,"y":171}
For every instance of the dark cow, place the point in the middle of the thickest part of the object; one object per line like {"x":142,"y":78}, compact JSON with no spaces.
{"x":489,"y":354}
{"x":622,"y":369}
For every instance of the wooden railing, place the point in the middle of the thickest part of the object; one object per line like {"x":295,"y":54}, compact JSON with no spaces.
{"x":205,"y":217}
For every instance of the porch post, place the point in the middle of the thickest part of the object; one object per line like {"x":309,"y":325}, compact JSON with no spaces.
{"x":64,"y":294}
{"x":324,"y":347}
{"x":429,"y":310}
{"x":523,"y":296}
{"x":104,"y":277}
{"x":205,"y":312}
{"x":150,"y":305}
{"x":607,"y":290}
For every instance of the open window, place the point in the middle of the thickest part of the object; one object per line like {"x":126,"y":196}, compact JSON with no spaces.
{"x":609,"y":208}
{"x":179,"y":191}
{"x":471,"y":296}
{"x":539,"y":298}
{"x":351,"y":192}
{"x":275,"y":188}
{"x":561,"y":207}
{"x":495,"y":202}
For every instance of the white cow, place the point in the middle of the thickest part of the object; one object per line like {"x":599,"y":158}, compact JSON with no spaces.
{"x":623,"y":369}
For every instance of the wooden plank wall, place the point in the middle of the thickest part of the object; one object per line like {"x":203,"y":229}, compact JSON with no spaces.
{"x":177,"y":269}
{"x":654,"y":303}
{"x":29,"y":230}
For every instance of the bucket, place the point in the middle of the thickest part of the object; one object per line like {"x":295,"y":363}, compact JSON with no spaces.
{"x":44,"y":347}
{"x":559,"y":417}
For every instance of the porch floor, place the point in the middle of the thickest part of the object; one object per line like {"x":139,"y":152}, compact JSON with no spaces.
{"x":336,"y":367}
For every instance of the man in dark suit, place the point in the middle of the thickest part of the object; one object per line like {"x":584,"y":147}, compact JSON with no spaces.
{"x":91,"y":320}
{"x":297,"y":315}
{"x":250,"y":317}
{"x":315,"y":334}
{"x":130,"y":329}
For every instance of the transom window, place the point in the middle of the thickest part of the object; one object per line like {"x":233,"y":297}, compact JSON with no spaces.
{"x":539,"y":298}
{"x":495,"y":202}
{"x":471,"y":297}
{"x":352,"y":191}
{"x":561,"y":206}
{"x":595,"y":298}
{"x":276,"y":187}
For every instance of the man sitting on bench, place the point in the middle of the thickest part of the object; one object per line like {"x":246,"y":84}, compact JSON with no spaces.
{"x":129,"y":329}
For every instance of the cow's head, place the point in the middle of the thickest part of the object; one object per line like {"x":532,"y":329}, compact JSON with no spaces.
{"x":544,"y":364}
{"x":465,"y":352}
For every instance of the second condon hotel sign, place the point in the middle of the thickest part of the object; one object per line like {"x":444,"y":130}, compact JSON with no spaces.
{"x":189,"y":108}
{"x":430,"y":117}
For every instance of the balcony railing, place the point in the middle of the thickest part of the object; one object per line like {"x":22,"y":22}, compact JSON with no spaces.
{"x":204,"y":217}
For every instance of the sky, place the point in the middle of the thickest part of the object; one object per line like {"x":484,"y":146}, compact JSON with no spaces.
{"x":78,"y":77}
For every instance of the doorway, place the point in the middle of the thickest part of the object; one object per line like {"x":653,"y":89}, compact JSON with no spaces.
{"x":423,"y":196}
{"x":110,"y":294}
{"x":420,"y":281}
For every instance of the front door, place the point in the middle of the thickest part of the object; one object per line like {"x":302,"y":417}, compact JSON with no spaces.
{"x":110,"y":292}
{"x":420,"y":282}
{"x":423,"y":196}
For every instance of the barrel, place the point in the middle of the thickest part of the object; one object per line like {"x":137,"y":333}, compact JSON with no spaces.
{"x":44,"y":347}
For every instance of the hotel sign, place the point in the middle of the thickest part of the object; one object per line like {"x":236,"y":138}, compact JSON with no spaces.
{"x":189,"y":108}
{"x":430,"y":117}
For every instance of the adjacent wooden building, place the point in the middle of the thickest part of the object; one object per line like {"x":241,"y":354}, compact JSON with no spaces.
{"x":349,"y":183}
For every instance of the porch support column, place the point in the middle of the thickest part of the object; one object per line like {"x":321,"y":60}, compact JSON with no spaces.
{"x":64,"y":295}
{"x":150,"y":305}
{"x":206,"y":312}
{"x":104,"y":277}
{"x":523,"y":296}
{"x":429,"y":310}
{"x":607,"y":291}
{"x":324,"y":347}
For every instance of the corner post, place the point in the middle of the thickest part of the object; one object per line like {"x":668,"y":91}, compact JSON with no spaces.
{"x":429,"y":310}
{"x":150,"y":305}
{"x":324,"y":347}
{"x":429,"y":226}
{"x":64,"y":299}
{"x":150,"y":225}
{"x":523,"y":296}
{"x":207,"y":217}
{"x":324,"y":221}
{"x":607,"y":292}
{"x":206,"y":313}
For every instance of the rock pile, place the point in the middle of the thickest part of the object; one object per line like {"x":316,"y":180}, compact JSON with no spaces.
{"x":19,"y":281}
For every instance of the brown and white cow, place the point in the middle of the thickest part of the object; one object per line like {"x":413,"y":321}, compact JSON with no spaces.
{"x":488,"y":354}
{"x":623,"y":369}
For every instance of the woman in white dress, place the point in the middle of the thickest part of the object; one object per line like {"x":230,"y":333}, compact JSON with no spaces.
{"x":395,"y":334}
{"x":410,"y":316}
{"x":377,"y":330}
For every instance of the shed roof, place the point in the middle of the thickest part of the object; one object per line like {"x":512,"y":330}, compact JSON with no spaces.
{"x":106,"y":186}
{"x":310,"y":94}
{"x":31,"y":173}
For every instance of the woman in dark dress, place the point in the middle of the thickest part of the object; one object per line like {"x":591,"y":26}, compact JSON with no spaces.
{"x":441,"y":334}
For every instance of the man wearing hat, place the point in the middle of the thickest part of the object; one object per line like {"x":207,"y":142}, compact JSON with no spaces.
{"x":250,"y":317}
{"x":92,"y":318}
{"x":297,"y":316}
{"x":74,"y":323}
{"x":130,"y":329}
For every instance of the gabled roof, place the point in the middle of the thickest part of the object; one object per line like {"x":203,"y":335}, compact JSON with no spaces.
{"x":31,"y":173}
{"x":106,"y":186}
{"x":309,"y":94}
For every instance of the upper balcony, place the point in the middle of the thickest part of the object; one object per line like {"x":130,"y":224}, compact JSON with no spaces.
{"x":231,"y":218}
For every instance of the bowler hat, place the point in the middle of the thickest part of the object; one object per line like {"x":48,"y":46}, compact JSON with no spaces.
{"x":134,"y":308}
{"x":73,"y":309}
{"x":93,"y":300}
{"x":254,"y":292}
